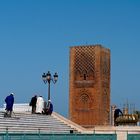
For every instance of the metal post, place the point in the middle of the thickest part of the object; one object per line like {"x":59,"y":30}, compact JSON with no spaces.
{"x":48,"y":90}
{"x":7,"y":133}
{"x":39,"y":132}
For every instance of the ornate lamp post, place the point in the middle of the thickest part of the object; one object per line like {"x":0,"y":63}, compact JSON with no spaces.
{"x":47,"y":78}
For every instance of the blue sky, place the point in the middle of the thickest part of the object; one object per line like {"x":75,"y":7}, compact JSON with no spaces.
{"x":35,"y":36}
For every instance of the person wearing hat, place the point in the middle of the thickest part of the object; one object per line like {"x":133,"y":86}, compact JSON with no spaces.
{"x":50,"y":107}
{"x":9,"y":100}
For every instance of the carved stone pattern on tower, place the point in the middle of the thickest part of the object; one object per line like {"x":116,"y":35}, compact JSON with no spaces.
{"x":105,"y":72}
{"x":84,"y":67}
{"x":105,"y":64}
{"x":83,"y":100}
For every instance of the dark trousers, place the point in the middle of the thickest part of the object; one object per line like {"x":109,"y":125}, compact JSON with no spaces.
{"x":8,"y":113}
{"x":33,"y":109}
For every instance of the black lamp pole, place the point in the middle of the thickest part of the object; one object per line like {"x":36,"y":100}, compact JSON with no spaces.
{"x":48,"y":90}
{"x":47,"y":78}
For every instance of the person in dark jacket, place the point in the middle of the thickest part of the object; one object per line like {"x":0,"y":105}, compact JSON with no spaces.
{"x":49,"y":108}
{"x":33,"y":103}
{"x":117,"y":113}
{"x":9,"y":104}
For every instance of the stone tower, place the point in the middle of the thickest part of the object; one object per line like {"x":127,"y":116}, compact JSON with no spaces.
{"x":89,"y":88}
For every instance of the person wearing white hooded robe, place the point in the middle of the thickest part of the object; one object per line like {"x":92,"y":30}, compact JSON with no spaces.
{"x":40,"y":104}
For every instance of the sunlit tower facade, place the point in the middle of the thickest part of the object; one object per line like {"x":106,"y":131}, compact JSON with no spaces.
{"x":89,"y":85}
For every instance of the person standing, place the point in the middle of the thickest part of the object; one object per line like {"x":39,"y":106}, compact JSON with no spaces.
{"x":33,"y":103}
{"x":40,"y":105}
{"x":9,"y":100}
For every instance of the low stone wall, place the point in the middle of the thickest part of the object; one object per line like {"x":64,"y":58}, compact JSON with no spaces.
{"x":23,"y":107}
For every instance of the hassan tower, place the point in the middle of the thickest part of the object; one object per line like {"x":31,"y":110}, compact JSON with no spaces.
{"x":89,"y":89}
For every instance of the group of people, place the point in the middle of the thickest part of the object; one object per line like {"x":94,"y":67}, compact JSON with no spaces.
{"x":40,"y":106}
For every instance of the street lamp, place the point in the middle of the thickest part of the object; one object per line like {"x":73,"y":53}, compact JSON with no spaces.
{"x":47,"y":78}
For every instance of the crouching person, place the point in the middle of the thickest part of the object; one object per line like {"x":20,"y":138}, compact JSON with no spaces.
{"x":49,"y":108}
{"x":117,"y":113}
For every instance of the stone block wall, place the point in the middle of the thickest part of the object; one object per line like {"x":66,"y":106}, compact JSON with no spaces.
{"x":89,"y":93}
